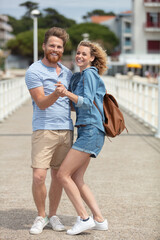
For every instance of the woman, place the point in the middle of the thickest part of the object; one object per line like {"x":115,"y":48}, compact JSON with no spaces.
{"x":86,"y":87}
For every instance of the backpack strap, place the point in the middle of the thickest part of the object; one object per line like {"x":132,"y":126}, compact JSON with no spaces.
{"x":101,"y":116}
{"x":98,"y":109}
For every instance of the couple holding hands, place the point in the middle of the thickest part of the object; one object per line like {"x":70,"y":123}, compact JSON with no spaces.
{"x":54,"y":89}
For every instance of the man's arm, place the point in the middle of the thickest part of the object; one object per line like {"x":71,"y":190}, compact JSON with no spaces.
{"x":41,"y":100}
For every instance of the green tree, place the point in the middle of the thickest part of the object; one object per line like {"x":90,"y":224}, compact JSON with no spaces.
{"x":30,"y":6}
{"x":48,"y":19}
{"x":23,"y":43}
{"x":97,"y":32}
{"x":52,"y":18}
{"x":21,"y":25}
{"x":26,"y":22}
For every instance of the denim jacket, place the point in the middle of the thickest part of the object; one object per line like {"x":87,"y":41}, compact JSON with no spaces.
{"x":89,"y":87}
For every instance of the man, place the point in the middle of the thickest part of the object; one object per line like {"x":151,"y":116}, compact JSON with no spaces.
{"x":52,"y":126}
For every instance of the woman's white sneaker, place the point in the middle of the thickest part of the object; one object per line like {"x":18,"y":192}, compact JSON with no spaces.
{"x":102,"y":226}
{"x":81,"y":226}
{"x":38,"y":225}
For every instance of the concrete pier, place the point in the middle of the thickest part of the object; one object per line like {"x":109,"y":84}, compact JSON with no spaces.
{"x":125,"y":179}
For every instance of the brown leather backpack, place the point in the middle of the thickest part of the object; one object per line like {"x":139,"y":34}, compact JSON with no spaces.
{"x":114,"y":122}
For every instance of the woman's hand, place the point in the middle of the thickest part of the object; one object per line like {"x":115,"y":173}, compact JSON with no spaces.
{"x":60,"y":90}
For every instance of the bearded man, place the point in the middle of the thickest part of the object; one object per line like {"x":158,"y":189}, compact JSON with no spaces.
{"x":52,"y":126}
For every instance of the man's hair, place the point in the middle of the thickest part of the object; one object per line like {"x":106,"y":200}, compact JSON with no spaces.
{"x":57,"y":32}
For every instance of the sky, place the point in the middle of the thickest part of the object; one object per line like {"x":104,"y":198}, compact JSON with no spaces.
{"x":73,"y":9}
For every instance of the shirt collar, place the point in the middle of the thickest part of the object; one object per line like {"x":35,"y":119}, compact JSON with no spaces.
{"x":92,"y":67}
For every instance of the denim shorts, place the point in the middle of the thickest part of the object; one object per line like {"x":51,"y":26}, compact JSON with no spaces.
{"x":90,"y":140}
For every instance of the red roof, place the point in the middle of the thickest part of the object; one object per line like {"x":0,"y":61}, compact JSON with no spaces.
{"x":126,"y":12}
{"x":99,"y":19}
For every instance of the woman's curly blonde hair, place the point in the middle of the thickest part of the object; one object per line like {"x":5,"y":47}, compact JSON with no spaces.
{"x":100,"y":60}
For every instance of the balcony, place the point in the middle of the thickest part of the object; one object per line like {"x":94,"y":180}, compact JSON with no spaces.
{"x":152,"y":3}
{"x":154,"y":51}
{"x":5,"y":27}
{"x":152,"y":27}
{"x":127,"y":45}
{"x":128,"y":30}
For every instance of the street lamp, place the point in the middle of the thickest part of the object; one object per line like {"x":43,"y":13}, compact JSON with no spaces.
{"x":85,"y":36}
{"x":34,"y":14}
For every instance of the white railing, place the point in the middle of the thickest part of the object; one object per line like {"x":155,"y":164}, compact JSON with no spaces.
{"x":137,"y":98}
{"x":13,"y":93}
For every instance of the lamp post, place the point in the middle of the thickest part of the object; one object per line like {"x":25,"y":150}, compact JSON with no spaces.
{"x":34,"y":14}
{"x":85,"y":36}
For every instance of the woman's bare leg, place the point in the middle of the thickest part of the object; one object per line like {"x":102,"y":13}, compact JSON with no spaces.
{"x":86,"y":193}
{"x":73,"y":161}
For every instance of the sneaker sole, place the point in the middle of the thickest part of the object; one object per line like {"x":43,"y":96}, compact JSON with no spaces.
{"x":58,"y":230}
{"x":99,"y":229}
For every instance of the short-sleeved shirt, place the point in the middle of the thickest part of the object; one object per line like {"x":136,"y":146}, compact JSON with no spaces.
{"x":58,"y":115}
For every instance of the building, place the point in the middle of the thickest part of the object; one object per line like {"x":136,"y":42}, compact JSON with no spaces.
{"x":5,"y":31}
{"x":145,"y":37}
{"x":146,"y":26}
{"x":139,"y":34}
{"x":121,"y":25}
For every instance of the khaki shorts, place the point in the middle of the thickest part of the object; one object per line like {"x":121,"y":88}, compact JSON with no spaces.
{"x":49,"y":147}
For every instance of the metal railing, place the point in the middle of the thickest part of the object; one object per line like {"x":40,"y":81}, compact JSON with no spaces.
{"x":152,"y":25}
{"x":139,"y":99}
{"x":13,"y":93}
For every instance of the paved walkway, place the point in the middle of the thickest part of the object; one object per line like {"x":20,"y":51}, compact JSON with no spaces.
{"x":125,"y":179}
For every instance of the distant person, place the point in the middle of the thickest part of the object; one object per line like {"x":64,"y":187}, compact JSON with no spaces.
{"x":52,"y":126}
{"x":147,"y":74}
{"x":86,"y":87}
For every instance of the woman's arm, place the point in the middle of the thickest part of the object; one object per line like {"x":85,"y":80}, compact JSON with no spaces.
{"x":90,"y":87}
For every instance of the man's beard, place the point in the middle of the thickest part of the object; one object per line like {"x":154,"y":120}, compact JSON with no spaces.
{"x":51,"y":58}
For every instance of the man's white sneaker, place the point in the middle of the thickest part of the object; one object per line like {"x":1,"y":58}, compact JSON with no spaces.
{"x":81,"y":226}
{"x":56,"y":224}
{"x":102,"y":226}
{"x":38,"y":225}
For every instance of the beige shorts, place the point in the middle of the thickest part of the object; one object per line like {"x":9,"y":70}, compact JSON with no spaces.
{"x":49,"y":147}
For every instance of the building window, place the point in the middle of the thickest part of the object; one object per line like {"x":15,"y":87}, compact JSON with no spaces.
{"x":153,"y":19}
{"x":127,"y":41}
{"x":153,"y":46}
{"x":127,"y":28}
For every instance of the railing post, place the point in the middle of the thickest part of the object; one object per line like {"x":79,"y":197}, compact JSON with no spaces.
{"x":158,"y":131}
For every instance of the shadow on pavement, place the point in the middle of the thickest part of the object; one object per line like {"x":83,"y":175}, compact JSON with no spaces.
{"x":22,"y":219}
